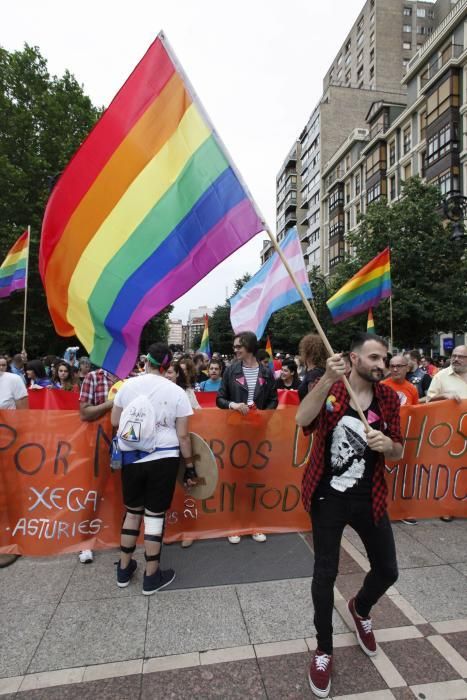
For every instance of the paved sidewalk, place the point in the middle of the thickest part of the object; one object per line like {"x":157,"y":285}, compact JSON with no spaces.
{"x":68,"y":632}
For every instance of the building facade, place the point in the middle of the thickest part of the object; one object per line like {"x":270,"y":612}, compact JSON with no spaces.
{"x":341,"y":161}
{"x":195,"y":325}
{"x":175,"y":336}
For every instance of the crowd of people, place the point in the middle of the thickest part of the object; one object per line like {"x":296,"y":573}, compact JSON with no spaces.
{"x":343,"y":482}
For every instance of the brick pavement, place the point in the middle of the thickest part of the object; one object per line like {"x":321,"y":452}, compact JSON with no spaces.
{"x":69,"y":632}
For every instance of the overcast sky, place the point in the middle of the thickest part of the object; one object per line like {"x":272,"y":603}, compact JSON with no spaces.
{"x":257,"y":66}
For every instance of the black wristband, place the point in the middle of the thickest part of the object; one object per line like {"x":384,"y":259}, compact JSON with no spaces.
{"x":190,"y":474}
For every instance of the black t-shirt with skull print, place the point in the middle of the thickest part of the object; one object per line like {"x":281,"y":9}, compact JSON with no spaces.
{"x":349,"y":462}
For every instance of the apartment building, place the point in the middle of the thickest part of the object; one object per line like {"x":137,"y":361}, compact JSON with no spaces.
{"x":367,"y":69}
{"x":175,"y":336}
{"x":195,"y":325}
{"x":423,"y":137}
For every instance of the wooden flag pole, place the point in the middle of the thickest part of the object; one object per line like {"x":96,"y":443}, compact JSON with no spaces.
{"x":216,"y":136}
{"x":390,"y":322}
{"x":26,"y":291}
{"x":316,"y":322}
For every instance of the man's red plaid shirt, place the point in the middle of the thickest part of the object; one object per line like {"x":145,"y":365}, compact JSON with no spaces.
{"x":326,"y":420}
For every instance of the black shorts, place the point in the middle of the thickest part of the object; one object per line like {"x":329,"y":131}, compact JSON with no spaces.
{"x":150,"y":484}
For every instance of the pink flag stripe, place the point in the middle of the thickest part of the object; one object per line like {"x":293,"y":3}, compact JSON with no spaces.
{"x":278,"y":271}
{"x":276,"y":289}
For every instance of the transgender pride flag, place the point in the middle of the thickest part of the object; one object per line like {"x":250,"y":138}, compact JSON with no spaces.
{"x":270,"y":289}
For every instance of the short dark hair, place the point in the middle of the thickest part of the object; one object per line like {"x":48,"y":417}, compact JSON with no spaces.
{"x":262,"y":355}
{"x":160,"y":355}
{"x":249,"y":341}
{"x":415,"y":355}
{"x":216,"y":361}
{"x":291,"y":364}
{"x":361,"y":338}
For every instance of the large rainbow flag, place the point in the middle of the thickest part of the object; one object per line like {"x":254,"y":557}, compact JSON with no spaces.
{"x":14,"y":267}
{"x":205,"y":345}
{"x":148,"y":205}
{"x":364,"y":290}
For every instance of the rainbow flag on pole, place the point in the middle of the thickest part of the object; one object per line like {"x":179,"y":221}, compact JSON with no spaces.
{"x":268,"y":349}
{"x":205,"y":346}
{"x":364,"y":290}
{"x":149,"y":204}
{"x":13,"y":271}
{"x":370,"y":323}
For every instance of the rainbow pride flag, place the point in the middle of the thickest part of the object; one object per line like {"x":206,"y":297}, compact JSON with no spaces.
{"x":149,"y":204}
{"x":268,"y":349}
{"x":364,"y":290}
{"x":205,"y":346}
{"x":370,"y":322}
{"x":13,"y":271}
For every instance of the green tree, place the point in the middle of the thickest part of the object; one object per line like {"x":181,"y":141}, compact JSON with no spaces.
{"x":43,"y":120}
{"x":157,"y":329}
{"x":428,"y":272}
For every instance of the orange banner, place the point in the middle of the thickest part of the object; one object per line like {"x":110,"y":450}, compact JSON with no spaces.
{"x":57,"y":493}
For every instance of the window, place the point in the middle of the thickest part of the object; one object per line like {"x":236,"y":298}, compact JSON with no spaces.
{"x":373,"y":193}
{"x":407,"y":140}
{"x":348,"y":58}
{"x":347,"y":221}
{"x":348,"y":162}
{"x":357,"y":184}
{"x":408,"y":171}
{"x":392,"y":153}
{"x":407,"y":29}
{"x":445,"y":96}
{"x":357,"y":212}
{"x":393,"y":187}
{"x":372,"y":55}
{"x":336,"y":199}
{"x":406,"y":45}
{"x":447,"y":182}
{"x":372,"y":38}
{"x":347,"y":77}
{"x":372,"y":18}
{"x":347,"y":193}
{"x":405,"y":62}
{"x":407,"y":11}
{"x":430,"y":14}
{"x":441,"y":143}
{"x":348,"y":46}
{"x":339,"y":60}
{"x":422,"y":29}
{"x":376,"y":161}
{"x":360,"y":56}
{"x":360,"y":73}
{"x":360,"y":40}
{"x":421,"y":12}
{"x":360,"y":24}
{"x":422,"y":125}
{"x":372,"y":72}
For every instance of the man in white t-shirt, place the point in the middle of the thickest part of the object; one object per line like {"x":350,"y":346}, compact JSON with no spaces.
{"x":13,"y":395}
{"x":148,"y":479}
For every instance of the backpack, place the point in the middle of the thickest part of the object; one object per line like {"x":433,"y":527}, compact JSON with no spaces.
{"x":137,"y":426}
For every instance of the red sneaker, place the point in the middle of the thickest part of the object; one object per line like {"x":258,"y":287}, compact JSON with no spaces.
{"x":319,"y":675}
{"x":365,"y":636}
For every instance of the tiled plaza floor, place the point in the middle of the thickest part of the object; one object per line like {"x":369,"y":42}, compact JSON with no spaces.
{"x":68,"y":632}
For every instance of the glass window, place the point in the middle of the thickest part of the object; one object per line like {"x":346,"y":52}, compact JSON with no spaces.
{"x":407,"y":11}
{"x":407,"y":28}
{"x":421,"y":12}
{"x":392,"y":153}
{"x":360,"y":56}
{"x":406,"y":45}
{"x":407,"y":140}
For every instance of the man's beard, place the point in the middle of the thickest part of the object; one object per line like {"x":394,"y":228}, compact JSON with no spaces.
{"x":372,"y":376}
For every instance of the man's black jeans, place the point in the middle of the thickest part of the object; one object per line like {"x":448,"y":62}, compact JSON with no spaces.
{"x":329,"y":516}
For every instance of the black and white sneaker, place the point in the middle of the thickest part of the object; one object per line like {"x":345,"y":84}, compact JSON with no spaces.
{"x":157,"y":581}
{"x":124,"y":575}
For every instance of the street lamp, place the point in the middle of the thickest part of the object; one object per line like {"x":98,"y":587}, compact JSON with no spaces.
{"x":455,"y":209}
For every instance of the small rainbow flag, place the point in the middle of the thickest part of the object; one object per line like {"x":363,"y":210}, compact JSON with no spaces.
{"x":148,"y":205}
{"x":268,"y":349}
{"x":13,"y":269}
{"x":370,"y":323}
{"x":205,"y":347}
{"x":364,"y":290}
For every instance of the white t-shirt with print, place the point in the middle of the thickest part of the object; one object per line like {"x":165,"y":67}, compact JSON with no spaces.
{"x":169,"y":402}
{"x":12,"y":389}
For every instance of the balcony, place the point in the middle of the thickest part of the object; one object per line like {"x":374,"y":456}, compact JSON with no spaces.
{"x":335,"y":176}
{"x":291,"y":217}
{"x":452,"y":51}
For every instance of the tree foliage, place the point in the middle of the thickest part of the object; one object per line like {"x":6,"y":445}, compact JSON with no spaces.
{"x":428,"y":270}
{"x":43,"y":120}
